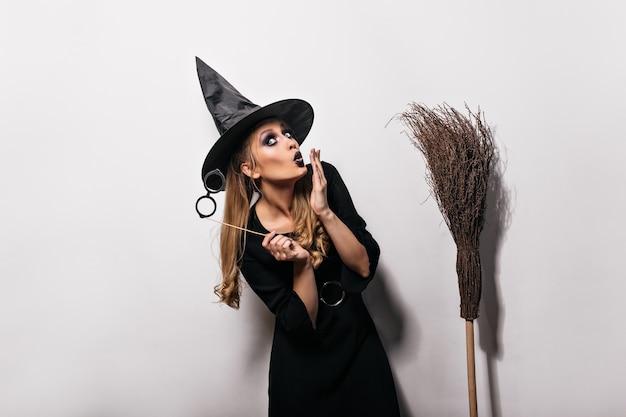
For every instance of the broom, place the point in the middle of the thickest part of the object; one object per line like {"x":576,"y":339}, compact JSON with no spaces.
{"x":458,"y":151}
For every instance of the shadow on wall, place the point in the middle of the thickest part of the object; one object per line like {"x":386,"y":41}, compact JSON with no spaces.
{"x":390,"y":319}
{"x":497,"y":222}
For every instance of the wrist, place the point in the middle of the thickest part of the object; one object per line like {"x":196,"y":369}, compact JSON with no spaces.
{"x":304,"y":262}
{"x":326,"y":215}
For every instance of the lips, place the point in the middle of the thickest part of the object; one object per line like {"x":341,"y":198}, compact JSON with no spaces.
{"x":297,"y":158}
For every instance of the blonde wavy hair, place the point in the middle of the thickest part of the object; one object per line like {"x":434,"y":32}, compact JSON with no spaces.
{"x":308,"y":230}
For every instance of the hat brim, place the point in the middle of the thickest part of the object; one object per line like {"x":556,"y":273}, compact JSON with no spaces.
{"x":296,"y":113}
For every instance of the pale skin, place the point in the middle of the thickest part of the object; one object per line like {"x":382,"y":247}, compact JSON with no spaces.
{"x":274,"y":149}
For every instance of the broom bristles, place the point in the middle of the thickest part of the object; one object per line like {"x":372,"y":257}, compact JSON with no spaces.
{"x":458,"y":152}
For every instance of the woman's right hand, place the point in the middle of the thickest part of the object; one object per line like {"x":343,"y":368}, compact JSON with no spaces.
{"x":283,"y":248}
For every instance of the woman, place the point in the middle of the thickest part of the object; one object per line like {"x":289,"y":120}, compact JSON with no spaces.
{"x":304,"y":250}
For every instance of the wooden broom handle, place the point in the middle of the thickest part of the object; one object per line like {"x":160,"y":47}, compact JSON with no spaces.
{"x":471,"y":367}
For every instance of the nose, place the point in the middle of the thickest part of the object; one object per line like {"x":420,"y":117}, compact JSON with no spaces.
{"x":293,"y":143}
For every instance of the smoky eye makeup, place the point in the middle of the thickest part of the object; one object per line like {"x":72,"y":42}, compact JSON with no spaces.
{"x":269,"y":139}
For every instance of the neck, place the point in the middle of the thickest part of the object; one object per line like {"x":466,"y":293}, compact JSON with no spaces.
{"x":277,"y":200}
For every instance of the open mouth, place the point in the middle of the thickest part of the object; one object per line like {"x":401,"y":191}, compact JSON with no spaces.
{"x":297,"y":158}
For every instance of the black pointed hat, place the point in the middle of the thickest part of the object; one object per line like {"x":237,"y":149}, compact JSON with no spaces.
{"x":235,"y":116}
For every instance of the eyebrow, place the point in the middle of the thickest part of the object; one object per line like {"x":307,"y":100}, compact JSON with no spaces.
{"x":282,"y":127}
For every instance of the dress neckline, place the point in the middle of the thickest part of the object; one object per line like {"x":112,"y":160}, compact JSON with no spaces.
{"x":261,"y":226}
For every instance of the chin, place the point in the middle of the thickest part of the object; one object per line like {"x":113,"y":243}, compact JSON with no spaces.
{"x":302,"y":171}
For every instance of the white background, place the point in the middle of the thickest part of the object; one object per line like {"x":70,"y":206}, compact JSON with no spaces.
{"x":106,"y":303}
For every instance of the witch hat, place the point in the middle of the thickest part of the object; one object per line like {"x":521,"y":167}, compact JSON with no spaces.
{"x":235,"y":116}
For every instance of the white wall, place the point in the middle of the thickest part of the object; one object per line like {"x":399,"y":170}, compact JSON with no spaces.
{"x":106,"y":304}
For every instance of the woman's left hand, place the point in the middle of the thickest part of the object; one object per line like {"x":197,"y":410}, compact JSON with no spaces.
{"x":319,"y":200}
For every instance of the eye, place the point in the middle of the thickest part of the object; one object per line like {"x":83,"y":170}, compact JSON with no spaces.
{"x":270,"y":140}
{"x":288,"y":134}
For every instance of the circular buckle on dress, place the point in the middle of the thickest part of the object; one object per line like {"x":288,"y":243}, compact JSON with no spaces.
{"x":332,"y":293}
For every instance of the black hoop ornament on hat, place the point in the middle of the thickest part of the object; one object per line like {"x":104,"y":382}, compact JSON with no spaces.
{"x":235,"y":116}
{"x":216,"y":180}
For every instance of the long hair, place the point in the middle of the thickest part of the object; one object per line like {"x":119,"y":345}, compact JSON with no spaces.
{"x":308,"y":229}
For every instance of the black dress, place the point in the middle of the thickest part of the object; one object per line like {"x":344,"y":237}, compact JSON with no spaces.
{"x":340,"y":368}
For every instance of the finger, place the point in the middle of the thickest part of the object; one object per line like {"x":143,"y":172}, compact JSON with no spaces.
{"x":312,"y":157}
{"x":318,"y":172}
{"x":280,"y":245}
{"x":314,"y":165}
{"x":320,"y":169}
{"x":278,"y":241}
{"x":318,"y":161}
{"x":287,"y":244}
{"x":267,"y":239}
